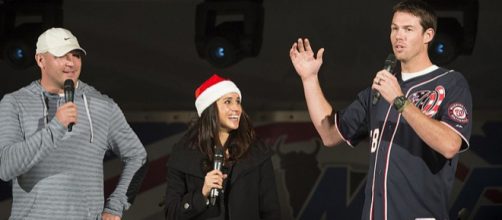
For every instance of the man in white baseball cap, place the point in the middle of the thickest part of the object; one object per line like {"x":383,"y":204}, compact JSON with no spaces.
{"x":52,"y":148}
{"x":59,"y":56}
{"x":58,"y":42}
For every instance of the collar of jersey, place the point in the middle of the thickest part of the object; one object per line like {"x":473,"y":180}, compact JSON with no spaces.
{"x":407,"y":76}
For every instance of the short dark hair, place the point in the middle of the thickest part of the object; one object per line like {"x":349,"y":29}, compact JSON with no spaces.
{"x":421,"y":9}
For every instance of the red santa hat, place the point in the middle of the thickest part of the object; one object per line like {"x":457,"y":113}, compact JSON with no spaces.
{"x":211,"y":90}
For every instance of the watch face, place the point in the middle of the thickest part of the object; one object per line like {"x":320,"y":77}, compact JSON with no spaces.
{"x":399,"y":102}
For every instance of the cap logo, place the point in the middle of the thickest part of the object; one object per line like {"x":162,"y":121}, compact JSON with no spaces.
{"x":58,"y":42}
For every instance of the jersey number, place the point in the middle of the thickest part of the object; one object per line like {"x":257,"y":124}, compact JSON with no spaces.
{"x":374,"y":134}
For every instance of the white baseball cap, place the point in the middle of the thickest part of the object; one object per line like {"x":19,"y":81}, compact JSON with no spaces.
{"x":58,"y":42}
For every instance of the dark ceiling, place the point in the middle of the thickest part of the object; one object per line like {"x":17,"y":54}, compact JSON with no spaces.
{"x":142,"y":53}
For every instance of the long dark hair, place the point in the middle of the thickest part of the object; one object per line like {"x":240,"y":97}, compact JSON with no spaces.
{"x":203,"y":134}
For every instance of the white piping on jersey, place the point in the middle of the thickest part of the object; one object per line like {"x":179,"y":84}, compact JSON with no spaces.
{"x":387,"y":165}
{"x":340,"y":133}
{"x":391,"y":144}
{"x":461,"y":135}
{"x":455,"y":130}
{"x":375,"y":165}
{"x":428,"y":81}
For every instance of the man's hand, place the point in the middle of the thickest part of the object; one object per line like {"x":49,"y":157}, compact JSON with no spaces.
{"x":108,"y":216}
{"x":67,"y":114}
{"x":387,"y":85}
{"x":302,"y":57}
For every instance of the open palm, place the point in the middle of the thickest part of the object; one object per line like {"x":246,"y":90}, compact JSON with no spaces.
{"x":302,"y":57}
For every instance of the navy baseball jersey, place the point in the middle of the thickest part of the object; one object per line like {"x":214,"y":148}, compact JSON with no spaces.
{"x":407,"y":179}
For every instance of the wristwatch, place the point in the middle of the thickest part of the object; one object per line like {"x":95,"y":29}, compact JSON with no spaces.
{"x":400,"y":103}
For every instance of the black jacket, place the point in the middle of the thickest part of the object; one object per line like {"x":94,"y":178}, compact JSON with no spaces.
{"x":252,"y":195}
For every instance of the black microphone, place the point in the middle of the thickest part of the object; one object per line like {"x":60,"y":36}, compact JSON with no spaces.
{"x":69,"y":93}
{"x":389,"y":65}
{"x":218,"y":161}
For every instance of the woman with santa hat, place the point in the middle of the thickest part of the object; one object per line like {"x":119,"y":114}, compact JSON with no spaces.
{"x":219,"y":170}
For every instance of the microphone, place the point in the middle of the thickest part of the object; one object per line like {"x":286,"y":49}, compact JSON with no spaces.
{"x":389,"y":65}
{"x":69,"y":91}
{"x":218,"y":161}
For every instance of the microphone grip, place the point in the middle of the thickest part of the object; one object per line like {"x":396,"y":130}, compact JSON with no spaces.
{"x":389,"y":65}
{"x":69,"y":95}
{"x":218,"y":161}
{"x":214,"y":193}
{"x":376,"y":97}
{"x":213,"y":196}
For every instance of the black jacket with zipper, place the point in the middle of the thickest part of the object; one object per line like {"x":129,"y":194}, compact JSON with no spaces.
{"x":252,"y":196}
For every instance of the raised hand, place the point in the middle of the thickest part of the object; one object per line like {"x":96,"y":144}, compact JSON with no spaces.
{"x":302,"y":57}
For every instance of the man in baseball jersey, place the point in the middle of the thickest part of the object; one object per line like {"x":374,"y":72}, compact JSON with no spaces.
{"x":416,"y":129}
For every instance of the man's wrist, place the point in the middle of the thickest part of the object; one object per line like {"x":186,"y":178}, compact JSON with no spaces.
{"x":400,"y":103}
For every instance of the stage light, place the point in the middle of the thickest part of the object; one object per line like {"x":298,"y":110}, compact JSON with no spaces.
{"x":228,"y":31}
{"x":446,"y":45}
{"x":19,"y":48}
{"x":457,"y":29}
{"x":18,"y":54}
{"x":21,"y":22}
{"x":221,"y":52}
